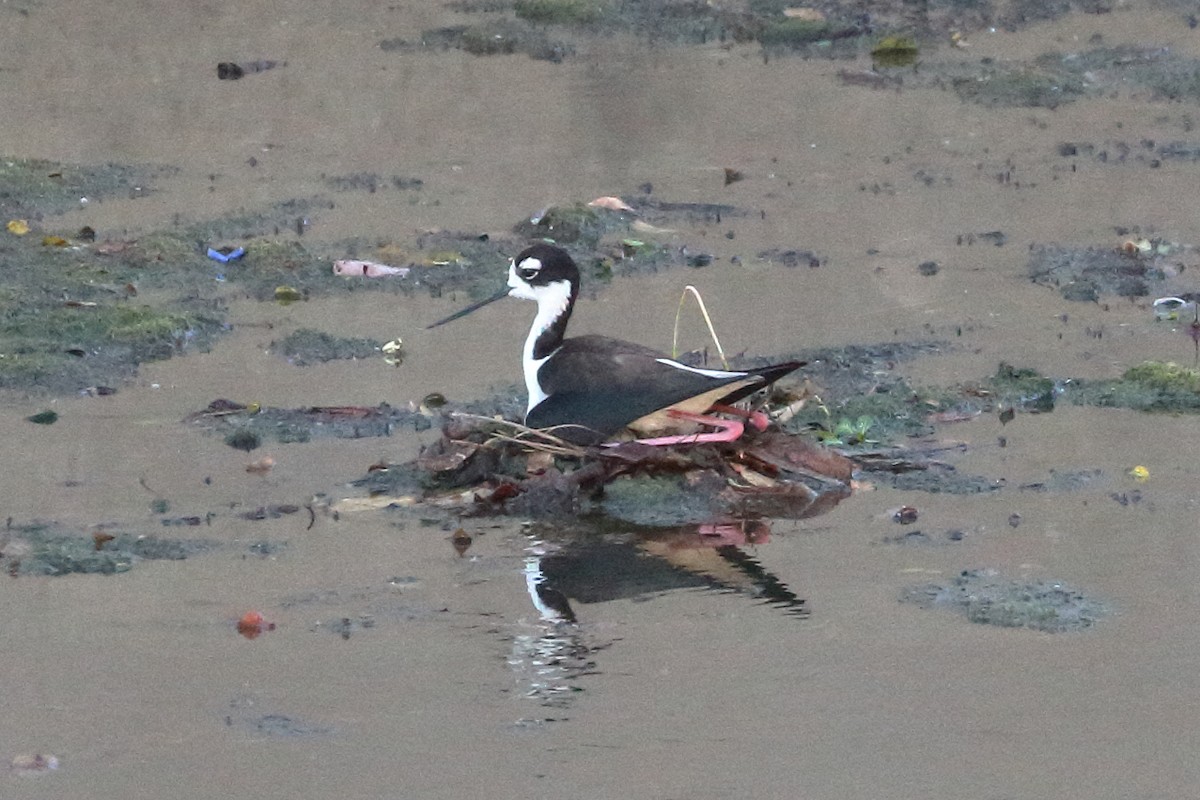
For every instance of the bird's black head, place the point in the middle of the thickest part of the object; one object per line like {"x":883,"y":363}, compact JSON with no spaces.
{"x":539,"y":267}
{"x":543,"y":273}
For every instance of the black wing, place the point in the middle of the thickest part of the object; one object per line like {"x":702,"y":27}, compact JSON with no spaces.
{"x":611,"y":383}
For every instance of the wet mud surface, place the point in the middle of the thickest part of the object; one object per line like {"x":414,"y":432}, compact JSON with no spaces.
{"x":236,"y":542}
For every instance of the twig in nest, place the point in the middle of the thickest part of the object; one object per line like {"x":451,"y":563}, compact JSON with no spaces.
{"x":533,"y":438}
{"x":694,"y":292}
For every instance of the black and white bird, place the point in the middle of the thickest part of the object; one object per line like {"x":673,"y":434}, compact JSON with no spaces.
{"x":588,"y":389}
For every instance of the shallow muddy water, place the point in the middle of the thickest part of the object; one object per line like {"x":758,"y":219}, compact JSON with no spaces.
{"x":398,"y":668}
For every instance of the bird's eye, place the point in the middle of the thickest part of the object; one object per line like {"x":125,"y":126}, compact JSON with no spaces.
{"x":528,"y":268}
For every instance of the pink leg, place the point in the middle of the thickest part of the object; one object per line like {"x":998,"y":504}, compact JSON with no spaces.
{"x":727,"y":431}
{"x":757,"y":419}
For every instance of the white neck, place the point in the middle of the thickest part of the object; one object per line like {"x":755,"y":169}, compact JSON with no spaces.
{"x":552,"y":301}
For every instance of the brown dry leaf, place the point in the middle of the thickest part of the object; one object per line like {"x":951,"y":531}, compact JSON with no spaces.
{"x":647,"y":229}
{"x":806,"y":14}
{"x":461,"y":541}
{"x":261,"y":467}
{"x":112,"y":248}
{"x":753,"y":478}
{"x":611,"y":203}
{"x":447,"y":458}
{"x":951,"y":415}
{"x":538,"y":462}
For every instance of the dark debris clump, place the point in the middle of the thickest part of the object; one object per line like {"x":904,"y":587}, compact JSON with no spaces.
{"x":479,"y":467}
{"x":1086,"y":273}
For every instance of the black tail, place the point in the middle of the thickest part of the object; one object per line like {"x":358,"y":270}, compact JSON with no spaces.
{"x":768,"y":374}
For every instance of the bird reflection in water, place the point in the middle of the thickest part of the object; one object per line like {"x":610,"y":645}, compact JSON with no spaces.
{"x":584,"y":567}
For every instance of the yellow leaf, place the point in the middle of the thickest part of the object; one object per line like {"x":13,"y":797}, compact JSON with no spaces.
{"x":287,"y":294}
{"x":18,"y":227}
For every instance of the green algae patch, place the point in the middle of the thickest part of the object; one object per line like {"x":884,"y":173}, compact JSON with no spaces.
{"x":247,"y":426}
{"x":865,"y":421}
{"x":659,"y":501}
{"x":1165,"y":376}
{"x":40,"y":548}
{"x":895,"y":51}
{"x":1023,"y":388}
{"x":1024,"y":87}
{"x":986,"y":598}
{"x":1167,"y":75}
{"x":1084,"y":274}
{"x":1149,"y":386}
{"x":559,"y":12}
{"x":308,"y":346}
{"x":858,"y":401}
{"x":794,"y":32}
{"x":492,"y":37}
{"x":66,"y":349}
{"x":33,"y":187}
{"x":1173,"y":78}
{"x":572,"y":224}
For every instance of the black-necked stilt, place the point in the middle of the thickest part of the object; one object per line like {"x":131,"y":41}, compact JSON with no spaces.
{"x":590,"y":388}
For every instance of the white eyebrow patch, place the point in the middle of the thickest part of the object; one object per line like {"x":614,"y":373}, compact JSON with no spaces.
{"x":532,"y":264}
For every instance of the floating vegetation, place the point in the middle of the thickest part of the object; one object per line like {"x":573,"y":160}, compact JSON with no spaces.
{"x":1024,"y":87}
{"x":490,"y":38}
{"x":1149,"y":386}
{"x":1024,"y":389}
{"x":370,"y":182}
{"x":1084,"y":274}
{"x":1164,"y":376}
{"x":984,"y":597}
{"x":247,"y":426}
{"x":849,"y":432}
{"x":46,"y":549}
{"x":33,"y":188}
{"x":559,"y":12}
{"x":791,"y":258}
{"x":578,"y":224}
{"x":307,"y":346}
{"x":1168,"y":76}
{"x":794,"y":32}
{"x":895,"y":51}
{"x":247,"y":440}
{"x":937,"y":477}
{"x":64,"y":348}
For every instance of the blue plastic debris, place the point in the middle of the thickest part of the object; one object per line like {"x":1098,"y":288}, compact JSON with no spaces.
{"x":225,"y":254}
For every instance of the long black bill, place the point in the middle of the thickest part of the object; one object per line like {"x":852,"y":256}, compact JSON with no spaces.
{"x":473,"y":307}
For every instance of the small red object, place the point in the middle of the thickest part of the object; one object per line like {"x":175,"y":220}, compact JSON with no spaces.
{"x":252,"y":624}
